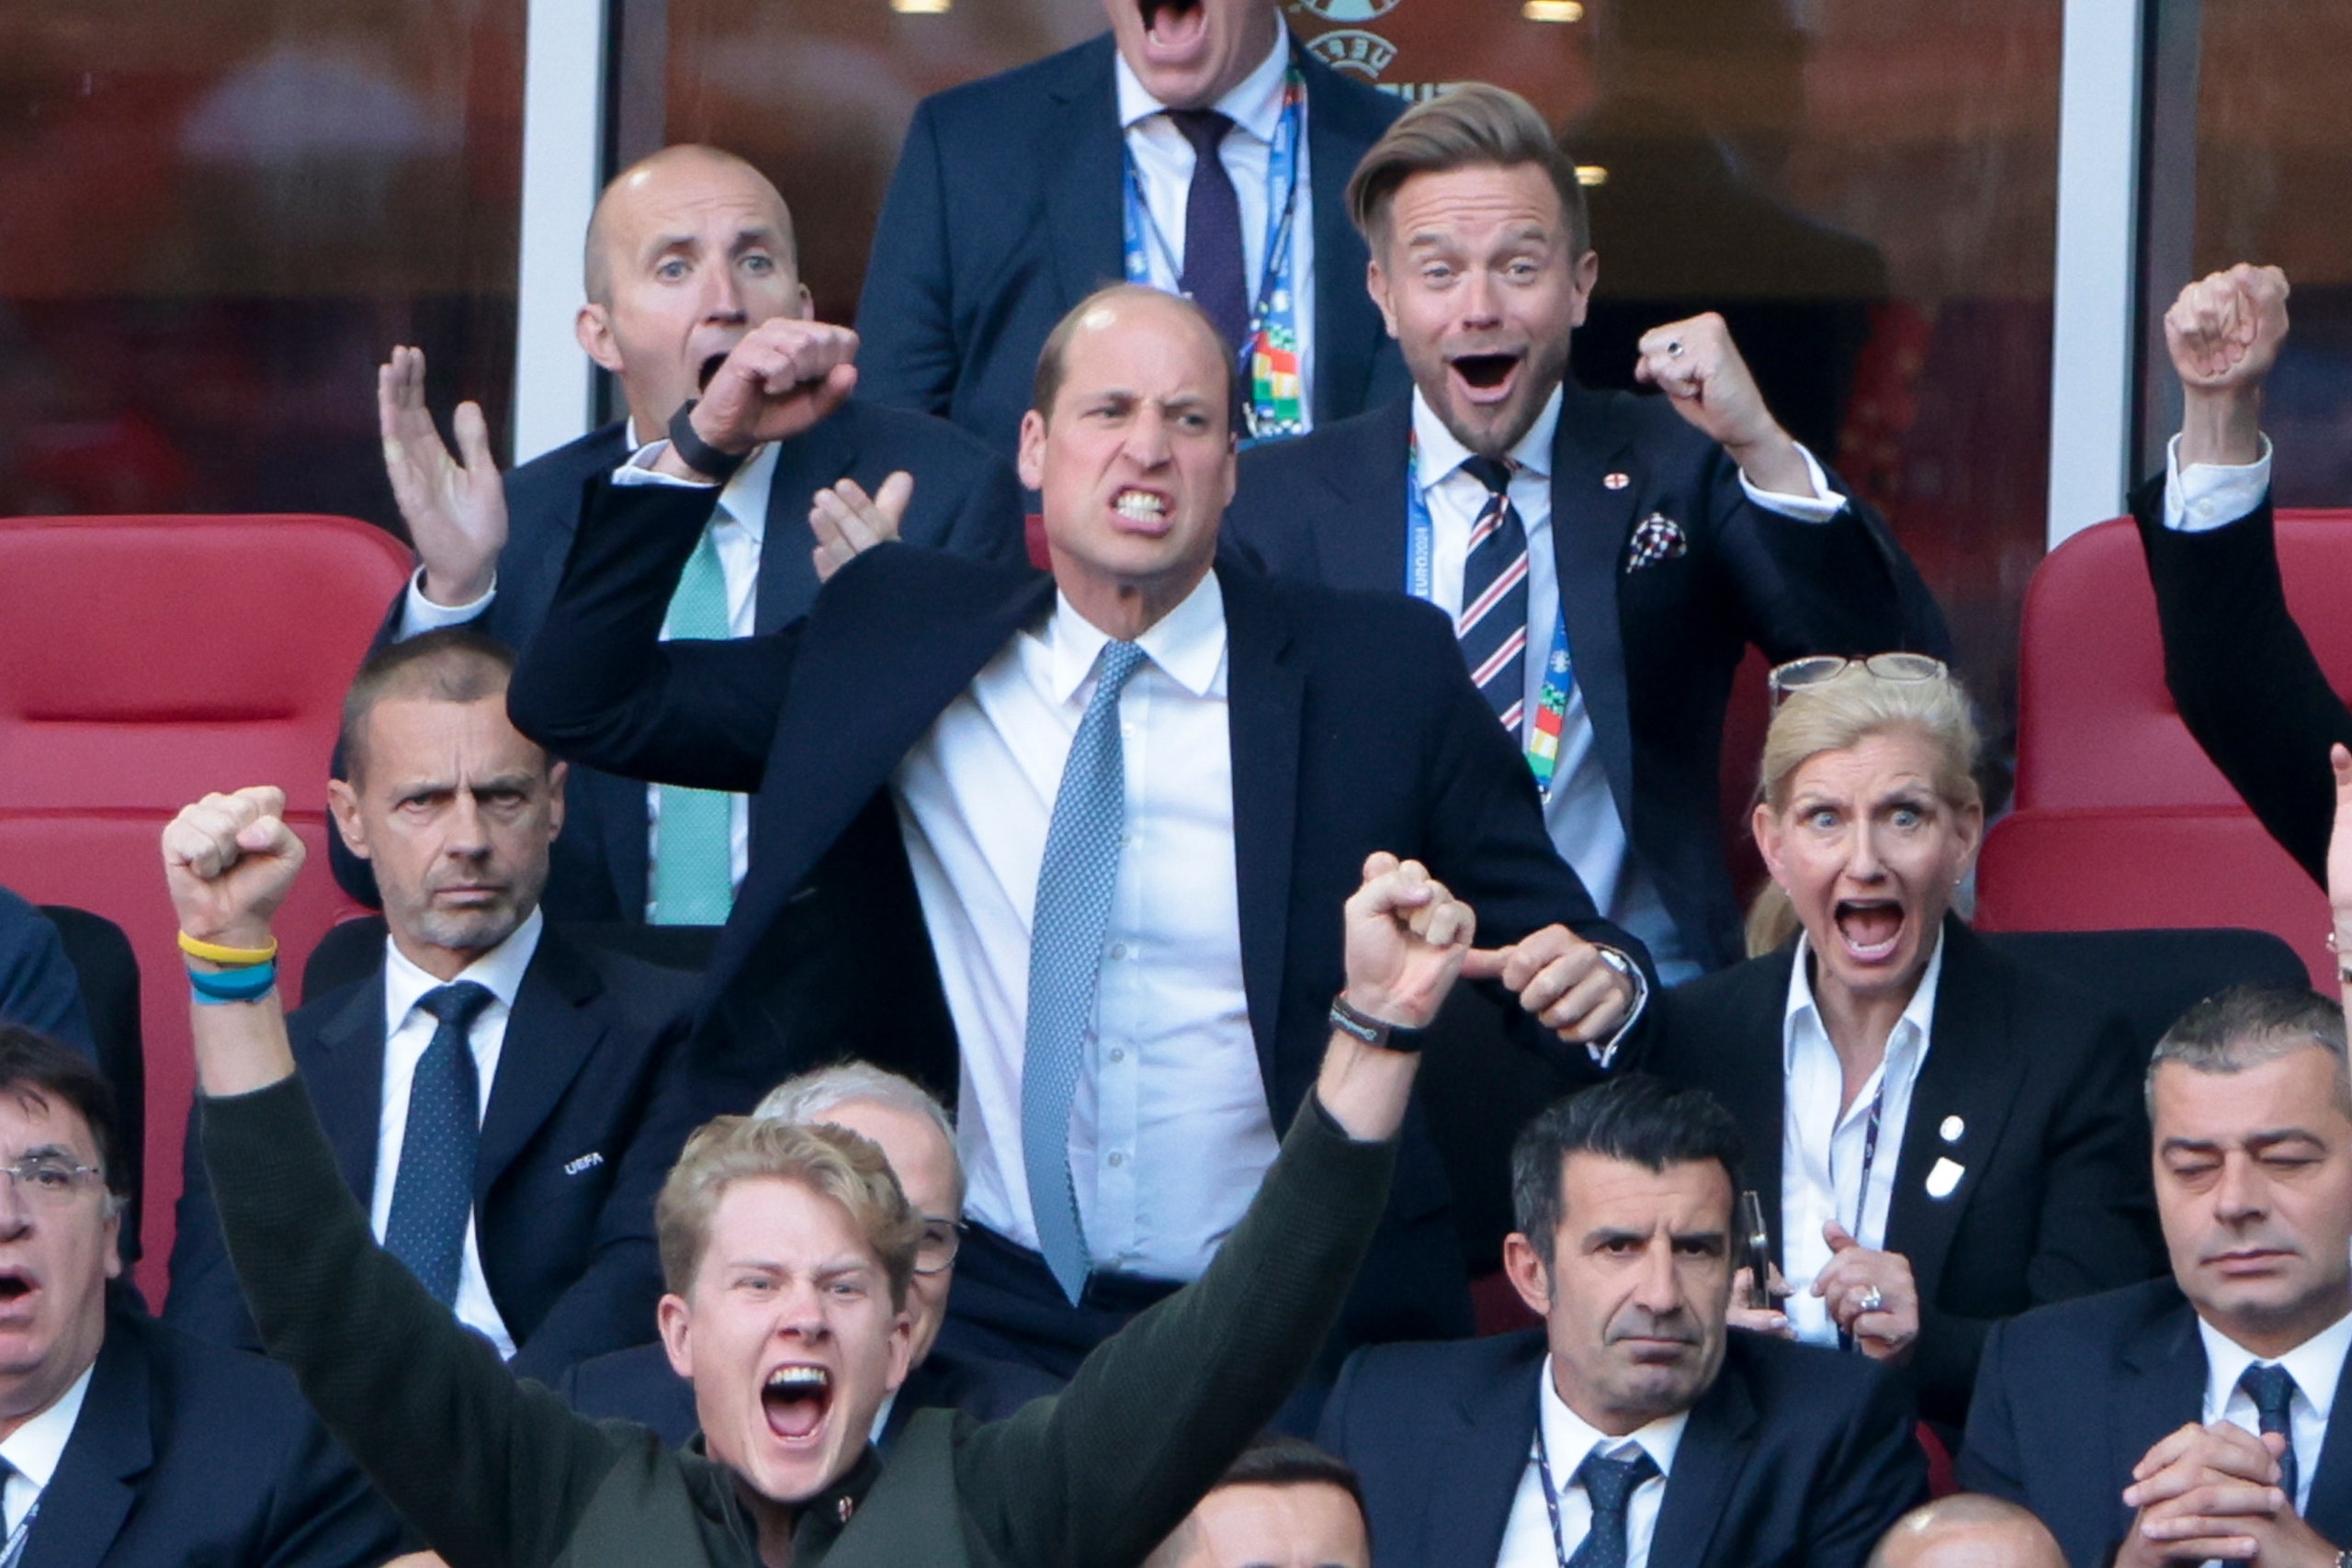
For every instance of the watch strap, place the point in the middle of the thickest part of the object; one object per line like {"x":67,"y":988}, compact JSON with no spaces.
{"x":697,"y":454}
{"x":1372,"y":1030}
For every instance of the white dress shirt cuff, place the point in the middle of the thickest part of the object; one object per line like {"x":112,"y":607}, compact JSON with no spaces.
{"x":420,"y":615}
{"x":2205,"y":496}
{"x":1822,"y":505}
{"x":1605,"y":1052}
{"x":639,"y":469}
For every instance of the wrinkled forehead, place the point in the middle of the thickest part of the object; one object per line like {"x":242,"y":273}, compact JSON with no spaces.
{"x":709,"y":198}
{"x":1599,"y":1192}
{"x":31,"y":1118}
{"x":1147,"y":347}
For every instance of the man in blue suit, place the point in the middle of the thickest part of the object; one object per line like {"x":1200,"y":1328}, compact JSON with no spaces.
{"x":1607,"y":559}
{"x":124,"y":1443}
{"x":1633,"y":1428}
{"x":2208,"y":1414}
{"x":688,"y":251}
{"x":1108,"y":936}
{"x":37,"y":985}
{"x":1018,"y":196}
{"x":494,"y":1091}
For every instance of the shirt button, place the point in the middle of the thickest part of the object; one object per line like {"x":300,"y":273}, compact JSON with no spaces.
{"x":1117,"y":1160}
{"x":1118,"y":949}
{"x":1118,"y":1054}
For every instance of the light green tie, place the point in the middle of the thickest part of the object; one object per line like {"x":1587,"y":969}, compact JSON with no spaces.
{"x":694,"y":867}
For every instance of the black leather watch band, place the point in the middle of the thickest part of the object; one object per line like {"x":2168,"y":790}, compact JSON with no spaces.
{"x":697,"y":454}
{"x":1372,"y":1030}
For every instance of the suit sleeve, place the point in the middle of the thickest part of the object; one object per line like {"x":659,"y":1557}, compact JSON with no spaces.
{"x":1878,"y":1474}
{"x":598,"y":684}
{"x":990,"y":523}
{"x":203,"y":1300}
{"x":1098,"y":1475}
{"x":907,"y":354}
{"x":2242,"y":674}
{"x":324,"y":1514}
{"x":1988,"y":1460}
{"x":1331,"y":1427}
{"x":39,"y":985}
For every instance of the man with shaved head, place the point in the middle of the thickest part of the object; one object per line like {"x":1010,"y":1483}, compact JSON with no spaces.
{"x":1093,"y":819}
{"x":1968,"y":1530}
{"x":689,"y":251}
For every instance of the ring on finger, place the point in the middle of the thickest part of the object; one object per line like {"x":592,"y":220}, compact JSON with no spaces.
{"x":1873,"y":1300}
{"x":1674,"y":348}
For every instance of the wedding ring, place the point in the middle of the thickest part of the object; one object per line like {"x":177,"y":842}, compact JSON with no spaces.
{"x":1872,"y":1301}
{"x":1674,"y":348}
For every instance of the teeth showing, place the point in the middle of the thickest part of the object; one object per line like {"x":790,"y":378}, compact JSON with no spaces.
{"x":1141,"y":506}
{"x":798,"y":1381}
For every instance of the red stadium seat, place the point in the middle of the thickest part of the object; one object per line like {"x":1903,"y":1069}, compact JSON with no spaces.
{"x":2121,"y":820}
{"x":145,"y":661}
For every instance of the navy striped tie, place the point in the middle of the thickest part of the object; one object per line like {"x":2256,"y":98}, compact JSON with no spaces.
{"x":1493,"y":623}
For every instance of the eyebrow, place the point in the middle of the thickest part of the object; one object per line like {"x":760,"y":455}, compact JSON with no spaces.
{"x":2265,"y":1139}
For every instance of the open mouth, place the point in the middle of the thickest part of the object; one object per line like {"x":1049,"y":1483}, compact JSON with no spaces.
{"x":796,"y":1399}
{"x":1486,"y":377}
{"x":14,"y":1287}
{"x":1870,"y":928}
{"x":1146,"y":508}
{"x":709,"y":368}
{"x":1173,"y":24}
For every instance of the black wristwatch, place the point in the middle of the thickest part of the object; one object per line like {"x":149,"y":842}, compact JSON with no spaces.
{"x":1372,"y":1030}
{"x":697,"y":454}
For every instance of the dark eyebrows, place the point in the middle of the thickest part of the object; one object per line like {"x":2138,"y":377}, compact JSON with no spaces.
{"x":755,"y":238}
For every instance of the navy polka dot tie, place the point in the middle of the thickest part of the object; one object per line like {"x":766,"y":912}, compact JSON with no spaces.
{"x":2272,"y":1389}
{"x":432,"y":1196}
{"x":1214,"y":270}
{"x":1611,"y":1484}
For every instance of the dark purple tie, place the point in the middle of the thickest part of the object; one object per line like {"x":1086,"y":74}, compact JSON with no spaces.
{"x":1212,"y":273}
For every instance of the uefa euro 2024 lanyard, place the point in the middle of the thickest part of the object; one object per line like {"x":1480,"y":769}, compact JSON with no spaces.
{"x":12,"y":1550}
{"x":1543,"y":748}
{"x":1270,"y":367}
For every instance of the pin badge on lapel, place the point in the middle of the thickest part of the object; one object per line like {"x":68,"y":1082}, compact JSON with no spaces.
{"x":1615,"y":481}
{"x":1944,"y":1178}
{"x":1659,"y":538}
{"x":1952,"y":1129}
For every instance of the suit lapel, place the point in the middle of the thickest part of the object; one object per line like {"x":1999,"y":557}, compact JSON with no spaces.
{"x":1590,"y":521}
{"x":2330,"y":1508}
{"x":1971,"y":1076}
{"x":345,"y":1073}
{"x":617,"y":809}
{"x":1264,"y":694}
{"x":1370,"y":520}
{"x":90,"y":1494}
{"x":1474,"y":1469}
{"x":1343,"y":345}
{"x":1084,"y":194}
{"x":2164,"y":1388}
{"x":1746,"y":1070}
{"x":549,"y":1035}
{"x":804,"y":466}
{"x":1706,"y":1464}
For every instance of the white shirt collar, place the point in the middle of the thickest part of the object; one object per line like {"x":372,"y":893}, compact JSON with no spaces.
{"x":34,"y":1450}
{"x":2316,"y":1365}
{"x":1568,"y":1437}
{"x":1441,"y":453}
{"x":1255,"y":103}
{"x":500,"y":969}
{"x":746,"y":495}
{"x":1910,"y":1030}
{"x":1187,"y":642}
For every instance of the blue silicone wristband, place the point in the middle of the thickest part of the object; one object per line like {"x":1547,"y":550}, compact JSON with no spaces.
{"x":246,"y":985}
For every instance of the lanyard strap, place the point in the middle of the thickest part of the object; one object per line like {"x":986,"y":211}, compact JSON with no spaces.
{"x":1550,"y":1495}
{"x":1862,"y":1193}
{"x":1268,"y":355}
{"x":1541,"y":745}
{"x":12,"y":1550}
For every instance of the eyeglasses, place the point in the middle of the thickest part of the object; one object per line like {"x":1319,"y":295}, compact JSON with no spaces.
{"x":48,"y":1179}
{"x":941,"y":1239}
{"x":1816,"y":669}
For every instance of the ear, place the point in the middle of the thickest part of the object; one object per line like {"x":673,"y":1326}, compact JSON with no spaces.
{"x":902,"y":1351}
{"x":1031,"y":462}
{"x":1375,"y":283}
{"x":1588,"y":273}
{"x":113,"y":1238}
{"x":594,"y":328}
{"x":1972,"y":834}
{"x":556,"y":775}
{"x":808,"y":311}
{"x":344,"y":801}
{"x":1765,"y":824}
{"x":1528,"y":1274}
{"x":674,"y":1319}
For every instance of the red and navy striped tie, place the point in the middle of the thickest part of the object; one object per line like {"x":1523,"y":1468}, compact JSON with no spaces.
{"x":1493,"y":623}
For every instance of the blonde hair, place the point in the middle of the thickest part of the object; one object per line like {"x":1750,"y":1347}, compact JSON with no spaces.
{"x":1842,"y":712}
{"x":831,"y":1162}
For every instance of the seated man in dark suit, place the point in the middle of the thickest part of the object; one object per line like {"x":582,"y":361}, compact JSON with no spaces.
{"x":1018,"y":196}
{"x":689,"y":250}
{"x":1107,"y":811}
{"x":914,"y":1135}
{"x":2238,"y":666}
{"x":38,"y":988}
{"x":1968,"y":1529}
{"x":2203,"y":1416}
{"x":1606,"y":559}
{"x":124,"y":1443}
{"x":1633,"y":1428}
{"x":490,"y":1090}
{"x":1283,"y":1504}
{"x":788,"y":1250}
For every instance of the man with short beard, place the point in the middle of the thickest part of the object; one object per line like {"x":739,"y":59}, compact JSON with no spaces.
{"x":1607,"y":559}
{"x":488,"y":1088}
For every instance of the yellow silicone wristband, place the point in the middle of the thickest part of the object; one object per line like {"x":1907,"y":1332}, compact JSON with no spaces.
{"x":228,"y":957}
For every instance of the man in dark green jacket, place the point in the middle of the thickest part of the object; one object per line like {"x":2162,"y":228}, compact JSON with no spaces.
{"x":791,"y":1319}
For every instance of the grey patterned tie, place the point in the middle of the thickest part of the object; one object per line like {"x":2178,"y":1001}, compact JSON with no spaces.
{"x":1611,"y":1484}
{"x":1074,"y":883}
{"x":433,"y":1195}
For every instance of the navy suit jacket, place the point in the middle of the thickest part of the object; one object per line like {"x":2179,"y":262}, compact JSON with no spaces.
{"x":965,"y":499}
{"x":1355,"y":727}
{"x":1795,"y":1455}
{"x":574,"y":1146}
{"x":187,"y":1453}
{"x":2052,"y":1200}
{"x":2070,"y":1397}
{"x":1656,"y":644}
{"x":1005,"y":213}
{"x":38,"y":988}
{"x":637,"y":1384}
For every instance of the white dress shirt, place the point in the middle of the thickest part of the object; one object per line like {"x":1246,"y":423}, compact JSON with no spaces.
{"x":1170,"y":1130}
{"x":1568,"y":1438}
{"x":2205,"y":496}
{"x":2316,"y":1365}
{"x":1581,"y":812}
{"x":408,"y":1030}
{"x":739,"y":526}
{"x":33,"y":1450}
{"x":1821,"y":1145}
{"x":1163,"y":160}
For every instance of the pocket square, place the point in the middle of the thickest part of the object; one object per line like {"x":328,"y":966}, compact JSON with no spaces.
{"x":1659,"y":538}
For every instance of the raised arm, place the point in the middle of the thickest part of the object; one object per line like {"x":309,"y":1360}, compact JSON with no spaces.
{"x":494,"y":1473}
